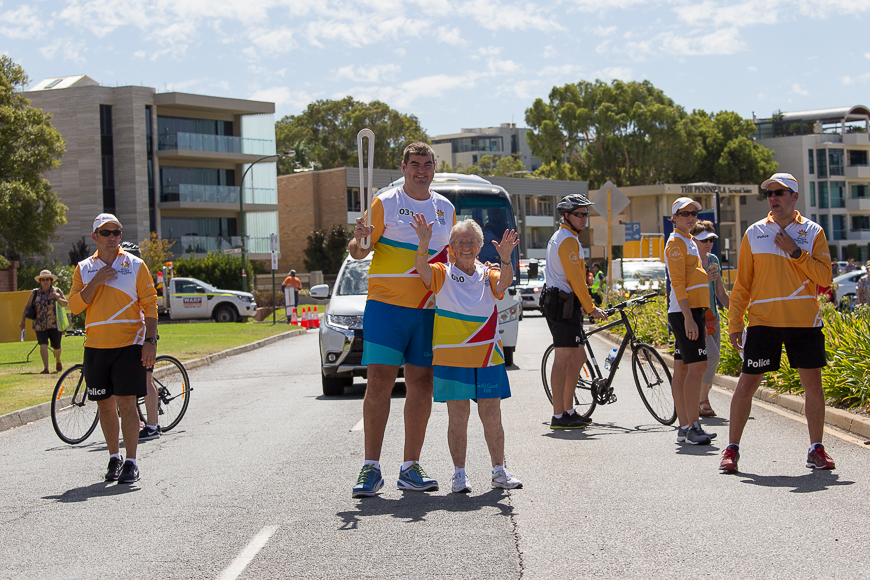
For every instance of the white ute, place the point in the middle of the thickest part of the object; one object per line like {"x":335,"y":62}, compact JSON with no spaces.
{"x":190,"y":299}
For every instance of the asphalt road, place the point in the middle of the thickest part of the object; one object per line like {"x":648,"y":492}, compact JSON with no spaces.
{"x":255,"y":483}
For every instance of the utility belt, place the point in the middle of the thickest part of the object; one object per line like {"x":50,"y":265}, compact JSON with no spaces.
{"x":557,"y":303}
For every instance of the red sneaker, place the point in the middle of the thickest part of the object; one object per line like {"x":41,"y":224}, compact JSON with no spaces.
{"x":818,"y":458}
{"x":729,"y":460}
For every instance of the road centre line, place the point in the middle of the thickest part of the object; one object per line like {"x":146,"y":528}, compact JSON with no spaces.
{"x":241,"y":562}
{"x":795,"y":417}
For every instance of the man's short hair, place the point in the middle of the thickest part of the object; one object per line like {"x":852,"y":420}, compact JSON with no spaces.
{"x":418,"y":148}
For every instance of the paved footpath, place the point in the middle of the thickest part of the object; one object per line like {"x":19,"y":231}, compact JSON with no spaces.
{"x":255,"y":483}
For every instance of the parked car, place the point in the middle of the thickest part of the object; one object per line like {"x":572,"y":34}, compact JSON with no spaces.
{"x":847,"y":287}
{"x":641,"y":275}
{"x":341,"y":333}
{"x":530,"y":288}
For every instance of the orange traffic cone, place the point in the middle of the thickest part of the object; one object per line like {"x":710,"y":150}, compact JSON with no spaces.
{"x":293,"y":318}
{"x":306,"y":319}
{"x":316,"y":319}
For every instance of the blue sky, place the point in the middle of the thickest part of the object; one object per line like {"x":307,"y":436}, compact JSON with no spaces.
{"x":454,"y":63}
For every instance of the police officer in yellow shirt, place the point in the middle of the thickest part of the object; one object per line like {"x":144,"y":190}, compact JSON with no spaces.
{"x":782,"y":259}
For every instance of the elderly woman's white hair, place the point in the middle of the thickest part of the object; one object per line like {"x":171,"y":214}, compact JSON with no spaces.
{"x":467,"y":225}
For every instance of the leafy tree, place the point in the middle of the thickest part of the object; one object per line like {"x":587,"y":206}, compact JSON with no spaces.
{"x":326,"y":249}
{"x":630,"y":133}
{"x":508,"y":166}
{"x":79,"y":251}
{"x":326,"y":133}
{"x":727,"y":153}
{"x":29,"y":146}
{"x":157,"y":251}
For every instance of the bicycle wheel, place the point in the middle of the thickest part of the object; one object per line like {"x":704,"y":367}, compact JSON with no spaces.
{"x":653,"y":380}
{"x":173,"y":392}
{"x":73,"y":416}
{"x":583,"y":399}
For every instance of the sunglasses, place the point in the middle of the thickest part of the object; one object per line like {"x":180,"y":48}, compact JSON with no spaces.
{"x":579,"y":214}
{"x":687,"y":213}
{"x":706,"y":241}
{"x":107,"y":233}
{"x":777,"y":192}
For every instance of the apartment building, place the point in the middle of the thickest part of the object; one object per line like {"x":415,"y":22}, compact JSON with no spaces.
{"x":169,"y":163}
{"x":470,"y":145}
{"x":827,"y":151}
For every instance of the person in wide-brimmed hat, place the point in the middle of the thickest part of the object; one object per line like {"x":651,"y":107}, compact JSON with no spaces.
{"x":46,"y":325}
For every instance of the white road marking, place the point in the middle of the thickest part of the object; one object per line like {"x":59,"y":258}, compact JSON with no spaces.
{"x":359,"y":426}
{"x":241,"y":562}
{"x":795,"y":417}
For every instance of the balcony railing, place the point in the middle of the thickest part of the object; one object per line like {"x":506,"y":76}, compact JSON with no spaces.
{"x":185,"y":245}
{"x":216,"y":143}
{"x":191,"y":192}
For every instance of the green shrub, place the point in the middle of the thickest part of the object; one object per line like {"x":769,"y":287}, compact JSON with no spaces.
{"x":4,"y":263}
{"x":30,"y":268}
{"x":222,"y":271}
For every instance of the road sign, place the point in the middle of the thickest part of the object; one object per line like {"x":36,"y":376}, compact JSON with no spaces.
{"x":233,"y":251}
{"x":632,"y":231}
{"x":273,"y":243}
{"x":599,"y":233}
{"x":618,"y":201}
{"x":274,"y":260}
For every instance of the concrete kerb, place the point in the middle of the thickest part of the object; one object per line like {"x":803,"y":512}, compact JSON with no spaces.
{"x":36,"y":412}
{"x":856,"y":425}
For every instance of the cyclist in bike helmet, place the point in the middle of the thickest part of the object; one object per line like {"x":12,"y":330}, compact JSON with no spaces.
{"x":150,"y":430}
{"x":132,"y":248}
{"x":566,"y":292}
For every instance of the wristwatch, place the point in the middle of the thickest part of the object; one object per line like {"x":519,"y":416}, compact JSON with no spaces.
{"x":153,"y":340}
{"x":796,"y":254}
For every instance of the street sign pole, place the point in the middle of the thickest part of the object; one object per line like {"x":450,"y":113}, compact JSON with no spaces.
{"x":609,"y":244}
{"x":273,"y":241}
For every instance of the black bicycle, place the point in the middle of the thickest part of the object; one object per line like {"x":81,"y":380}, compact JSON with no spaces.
{"x":651,"y":374}
{"x":74,"y":417}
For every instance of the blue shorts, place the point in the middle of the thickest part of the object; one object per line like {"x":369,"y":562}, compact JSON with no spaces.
{"x":460,"y":383}
{"x":394,"y":335}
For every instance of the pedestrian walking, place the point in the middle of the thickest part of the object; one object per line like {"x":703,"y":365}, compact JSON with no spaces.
{"x":48,"y":322}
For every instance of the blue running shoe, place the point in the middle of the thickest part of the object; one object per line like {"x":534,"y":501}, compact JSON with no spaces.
{"x":415,"y":479}
{"x":369,"y":482}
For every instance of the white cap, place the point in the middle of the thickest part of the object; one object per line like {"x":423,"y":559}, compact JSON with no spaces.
{"x":683,"y":202}
{"x":704,"y":235}
{"x":784,"y":179}
{"x":105,"y":218}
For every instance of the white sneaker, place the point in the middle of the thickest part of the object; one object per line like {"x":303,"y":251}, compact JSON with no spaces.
{"x":505,"y":480}
{"x":460,"y":483}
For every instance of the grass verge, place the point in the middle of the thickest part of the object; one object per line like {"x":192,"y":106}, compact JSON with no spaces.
{"x":22,"y":386}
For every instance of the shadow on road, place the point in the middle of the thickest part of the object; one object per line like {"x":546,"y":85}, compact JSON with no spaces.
{"x":414,"y":506}
{"x":812,"y":481}
{"x":99,"y":489}
{"x":597,"y":430}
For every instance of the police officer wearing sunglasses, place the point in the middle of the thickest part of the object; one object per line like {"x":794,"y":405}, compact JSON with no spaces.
{"x":114,"y":287}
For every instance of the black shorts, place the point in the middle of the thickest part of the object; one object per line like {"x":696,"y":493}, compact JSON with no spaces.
{"x":762,"y":348}
{"x":52,"y":334}
{"x":114,"y":371}
{"x":689,"y":351}
{"x":566,"y":332}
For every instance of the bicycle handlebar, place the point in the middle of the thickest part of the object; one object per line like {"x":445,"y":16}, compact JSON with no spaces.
{"x":629,"y":303}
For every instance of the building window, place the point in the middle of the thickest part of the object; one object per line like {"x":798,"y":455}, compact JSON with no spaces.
{"x":857,"y":157}
{"x":742,"y":200}
{"x":152,"y":197}
{"x":822,"y":162}
{"x":835,"y":162}
{"x":811,"y":161}
{"x":839,"y":227}
{"x":838,"y":194}
{"x":860,"y":223}
{"x":107,"y":158}
{"x":812,"y":194}
{"x":813,"y":217}
{"x":823,"y":221}
{"x":823,"y":194}
{"x":860,"y":192}
{"x":199,"y":235}
{"x":353,"y":203}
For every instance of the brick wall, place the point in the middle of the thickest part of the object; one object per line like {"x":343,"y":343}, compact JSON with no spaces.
{"x":9,"y":278}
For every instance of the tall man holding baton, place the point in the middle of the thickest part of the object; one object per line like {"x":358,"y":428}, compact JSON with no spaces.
{"x":399,"y":315}
{"x":782,"y":259}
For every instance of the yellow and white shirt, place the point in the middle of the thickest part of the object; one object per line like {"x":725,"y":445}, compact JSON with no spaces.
{"x":566,"y":268}
{"x":114,"y":317}
{"x":686,"y":272}
{"x":777,"y":290}
{"x":466,"y":318}
{"x":393,"y":277}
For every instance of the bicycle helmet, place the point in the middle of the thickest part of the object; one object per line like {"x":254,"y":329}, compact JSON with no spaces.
{"x":571,"y":202}
{"x":131,"y":248}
